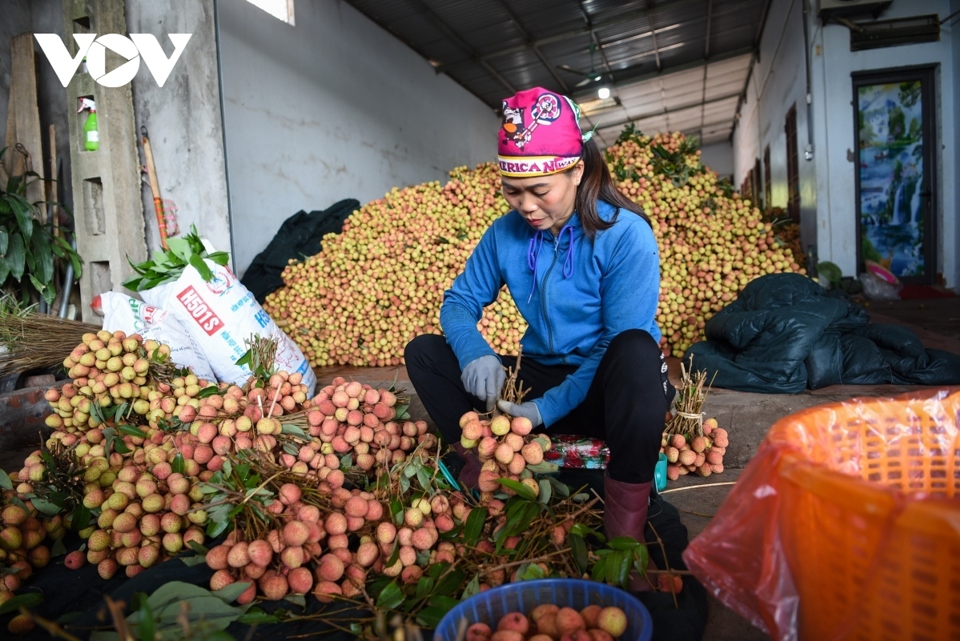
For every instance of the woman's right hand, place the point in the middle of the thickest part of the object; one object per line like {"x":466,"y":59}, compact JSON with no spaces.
{"x":484,"y":378}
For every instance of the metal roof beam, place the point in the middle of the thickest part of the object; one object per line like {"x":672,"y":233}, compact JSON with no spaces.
{"x":632,"y":15}
{"x":719,"y":124}
{"x":628,"y":79}
{"x":460,"y":42}
{"x":667,"y":112}
{"x":706,"y":55}
{"x":526,"y":36}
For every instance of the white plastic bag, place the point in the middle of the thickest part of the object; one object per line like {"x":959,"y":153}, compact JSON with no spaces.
{"x":131,"y":316}
{"x":220,"y":315}
{"x":877,"y":289}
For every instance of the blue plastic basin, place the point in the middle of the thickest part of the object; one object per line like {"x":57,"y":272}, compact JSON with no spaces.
{"x":488,"y":607}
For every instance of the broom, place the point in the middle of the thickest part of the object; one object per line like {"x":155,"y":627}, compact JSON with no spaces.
{"x":29,"y":340}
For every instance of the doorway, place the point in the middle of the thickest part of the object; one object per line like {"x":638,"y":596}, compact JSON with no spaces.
{"x":896,"y":171}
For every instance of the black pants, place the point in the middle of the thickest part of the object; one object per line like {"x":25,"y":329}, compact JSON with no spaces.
{"x":625,"y":405}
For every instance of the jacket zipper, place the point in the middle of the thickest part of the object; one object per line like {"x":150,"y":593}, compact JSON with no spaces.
{"x":543,"y":295}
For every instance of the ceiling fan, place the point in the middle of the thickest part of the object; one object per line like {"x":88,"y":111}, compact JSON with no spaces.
{"x":589,"y":76}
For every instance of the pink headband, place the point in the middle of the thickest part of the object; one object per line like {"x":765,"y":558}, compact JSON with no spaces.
{"x":540,"y":134}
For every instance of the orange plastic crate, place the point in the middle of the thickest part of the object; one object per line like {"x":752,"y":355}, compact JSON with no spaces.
{"x":869,"y":518}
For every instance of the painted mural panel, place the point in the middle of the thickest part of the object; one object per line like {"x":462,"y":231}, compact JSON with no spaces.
{"x":891,"y":166}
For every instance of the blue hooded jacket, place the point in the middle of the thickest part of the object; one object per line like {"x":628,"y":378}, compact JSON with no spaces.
{"x":575,"y":294}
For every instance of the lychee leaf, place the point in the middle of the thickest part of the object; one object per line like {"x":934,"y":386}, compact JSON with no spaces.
{"x":473,"y":587}
{"x":641,"y":559}
{"x":131,"y":430}
{"x":216,"y":528}
{"x":423,"y":557}
{"x":474,"y":526}
{"x":293,"y":429}
{"x":448,"y":582}
{"x":622,"y":561}
{"x":391,"y":597}
{"x":119,"y":446}
{"x":191,"y":561}
{"x":424,"y":587}
{"x":197,"y":263}
{"x":296,"y":599}
{"x":578,"y":548}
{"x":147,"y":628}
{"x":58,"y":548}
{"x":196,"y":547}
{"x":430,"y":617}
{"x":423,"y":477}
{"x":519,"y":488}
{"x":210,"y":390}
{"x":178,"y":464}
{"x":623,"y":543}
{"x":5,"y":482}
{"x":599,"y":569}
{"x":45,"y":507}
{"x":28,"y":600}
{"x":256,"y":616}
{"x":393,"y":555}
{"x":545,"y":491}
{"x":560,"y":488}
{"x":532,"y":571}
{"x":80,"y":519}
{"x":447,"y":602}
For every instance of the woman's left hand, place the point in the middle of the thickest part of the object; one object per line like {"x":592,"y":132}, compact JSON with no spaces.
{"x":527,"y":410}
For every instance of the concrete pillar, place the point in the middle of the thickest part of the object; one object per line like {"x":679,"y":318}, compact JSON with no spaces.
{"x":106,"y":182}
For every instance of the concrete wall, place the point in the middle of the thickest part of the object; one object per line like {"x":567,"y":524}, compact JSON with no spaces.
{"x":833,"y":63}
{"x":183,"y":119}
{"x":954,"y":30}
{"x":718,"y":157}
{"x":332,"y":108}
{"x":778,"y":82}
{"x":38,"y":16}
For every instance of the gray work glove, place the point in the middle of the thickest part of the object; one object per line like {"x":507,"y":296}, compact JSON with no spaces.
{"x":527,"y":410}
{"x":484,"y":377}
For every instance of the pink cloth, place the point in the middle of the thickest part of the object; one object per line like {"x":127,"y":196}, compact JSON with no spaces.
{"x":540,"y":134}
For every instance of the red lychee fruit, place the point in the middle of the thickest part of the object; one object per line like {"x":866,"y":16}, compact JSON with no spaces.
{"x":515,"y":621}
{"x":75,"y":560}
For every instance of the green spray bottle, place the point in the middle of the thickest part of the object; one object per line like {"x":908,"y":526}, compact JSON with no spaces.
{"x":91,"y":135}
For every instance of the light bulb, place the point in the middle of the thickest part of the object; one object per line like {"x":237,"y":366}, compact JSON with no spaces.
{"x":603,"y":93}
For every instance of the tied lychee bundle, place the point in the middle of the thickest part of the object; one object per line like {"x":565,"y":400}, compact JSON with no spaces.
{"x":366,"y":424}
{"x":137,"y":517}
{"x":690,"y":443}
{"x":23,"y":534}
{"x":504,"y":444}
{"x":327,"y":541}
{"x":549,"y":621}
{"x":109,"y":370}
{"x":695,"y":454}
{"x":507,"y":450}
{"x":380,"y":282}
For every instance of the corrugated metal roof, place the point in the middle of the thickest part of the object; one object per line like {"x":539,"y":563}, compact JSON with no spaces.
{"x":670,"y":64}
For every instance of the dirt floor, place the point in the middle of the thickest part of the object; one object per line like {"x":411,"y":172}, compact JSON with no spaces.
{"x":748,"y":416}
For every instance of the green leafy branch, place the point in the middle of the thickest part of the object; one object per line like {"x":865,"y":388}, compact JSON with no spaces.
{"x":29,"y":249}
{"x":167,"y":266}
